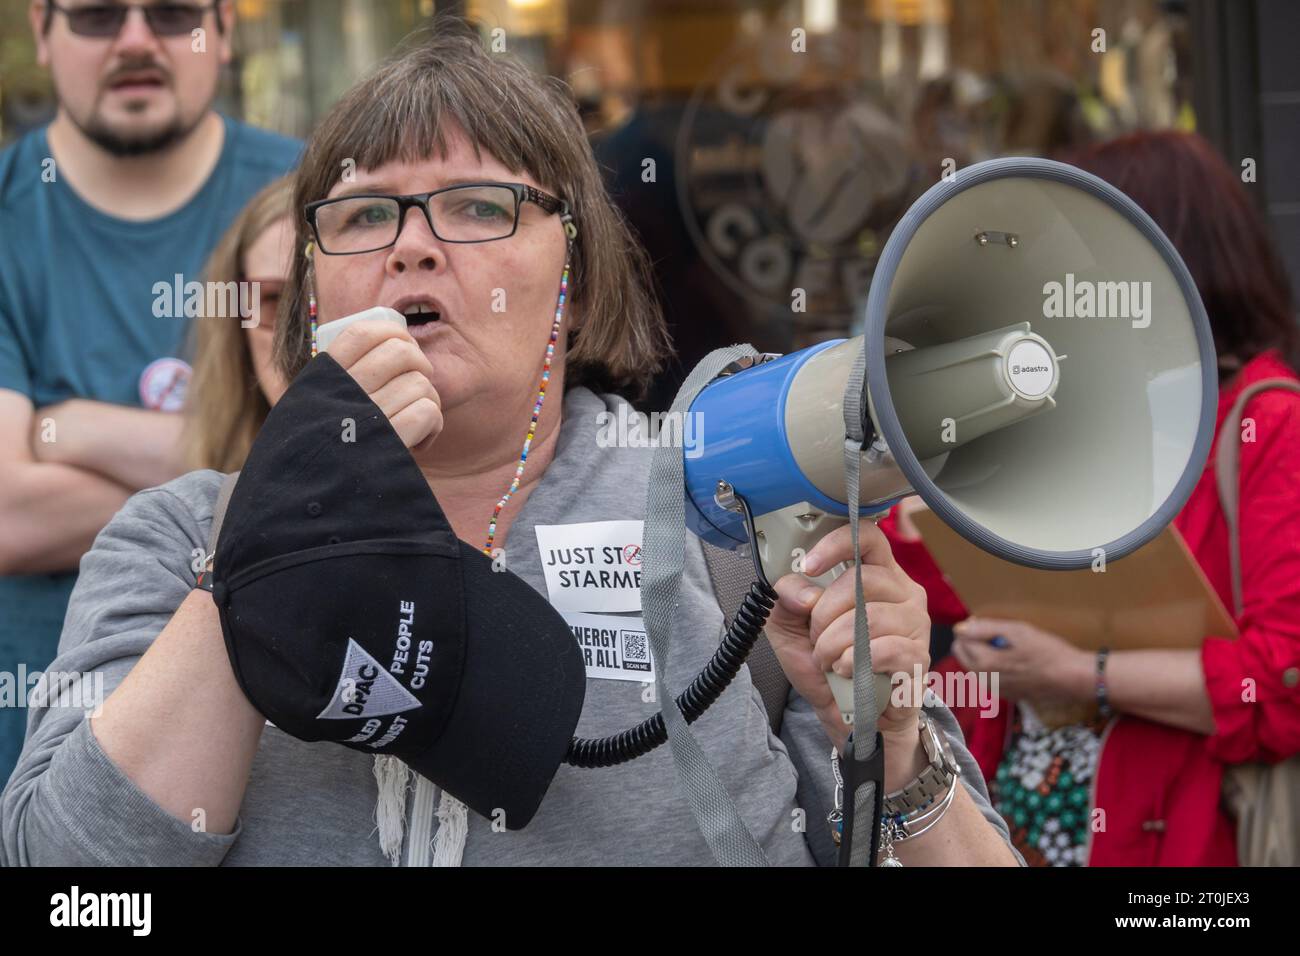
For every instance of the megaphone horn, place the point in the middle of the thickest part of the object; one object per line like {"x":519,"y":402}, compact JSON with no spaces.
{"x":1039,"y":369}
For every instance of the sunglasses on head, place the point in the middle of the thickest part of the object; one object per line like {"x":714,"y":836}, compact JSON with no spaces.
{"x":106,"y":19}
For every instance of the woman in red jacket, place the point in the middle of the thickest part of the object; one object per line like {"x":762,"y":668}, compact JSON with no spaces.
{"x":1142,"y":786}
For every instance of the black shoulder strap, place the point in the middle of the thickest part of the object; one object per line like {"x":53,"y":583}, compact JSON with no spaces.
{"x":219,"y":510}
{"x":732,"y":574}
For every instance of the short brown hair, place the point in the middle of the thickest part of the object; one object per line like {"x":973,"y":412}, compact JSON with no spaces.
{"x":618,"y":339}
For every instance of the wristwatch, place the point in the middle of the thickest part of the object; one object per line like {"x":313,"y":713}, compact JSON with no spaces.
{"x":931,"y":783}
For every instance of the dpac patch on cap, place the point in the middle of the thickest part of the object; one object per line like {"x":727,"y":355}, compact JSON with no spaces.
{"x":366,"y":689}
{"x":352,"y":613}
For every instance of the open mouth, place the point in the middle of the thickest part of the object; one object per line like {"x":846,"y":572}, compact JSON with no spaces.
{"x":420,"y":312}
{"x":421,"y":315}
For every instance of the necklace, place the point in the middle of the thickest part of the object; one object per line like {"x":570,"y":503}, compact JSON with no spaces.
{"x":537,"y":407}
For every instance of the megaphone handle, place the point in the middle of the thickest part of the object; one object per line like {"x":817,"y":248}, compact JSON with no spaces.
{"x":842,"y":687}
{"x":784,"y":538}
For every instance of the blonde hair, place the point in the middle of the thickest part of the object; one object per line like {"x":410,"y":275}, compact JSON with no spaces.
{"x":617,"y":339}
{"x":225,"y":406}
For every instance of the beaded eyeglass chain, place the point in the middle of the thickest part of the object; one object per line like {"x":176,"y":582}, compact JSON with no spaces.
{"x":571,"y":231}
{"x":311,"y":295}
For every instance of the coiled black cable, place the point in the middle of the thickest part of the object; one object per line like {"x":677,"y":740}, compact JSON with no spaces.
{"x":742,"y":634}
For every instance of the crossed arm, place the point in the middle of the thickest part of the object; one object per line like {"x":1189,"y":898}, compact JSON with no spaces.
{"x":66,"y":469}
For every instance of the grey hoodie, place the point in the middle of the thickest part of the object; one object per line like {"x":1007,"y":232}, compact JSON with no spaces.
{"x":315,"y":804}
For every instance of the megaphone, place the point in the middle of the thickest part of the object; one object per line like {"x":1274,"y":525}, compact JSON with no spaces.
{"x":1039,"y":369}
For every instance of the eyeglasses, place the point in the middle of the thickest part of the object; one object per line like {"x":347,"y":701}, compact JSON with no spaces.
{"x":472,"y":212}
{"x":106,"y":19}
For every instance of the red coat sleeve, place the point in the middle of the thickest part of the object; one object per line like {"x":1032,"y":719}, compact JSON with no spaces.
{"x":945,"y":606}
{"x":1254,"y":681}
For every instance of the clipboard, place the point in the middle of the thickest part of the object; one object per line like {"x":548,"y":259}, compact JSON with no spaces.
{"x":1155,"y":597}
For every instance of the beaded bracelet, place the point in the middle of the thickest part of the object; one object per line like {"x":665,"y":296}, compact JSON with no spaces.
{"x":936,"y":810}
{"x":895,"y":830}
{"x":1103,"y":697}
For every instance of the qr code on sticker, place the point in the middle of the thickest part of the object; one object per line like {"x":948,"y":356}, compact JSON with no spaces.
{"x":636,"y":651}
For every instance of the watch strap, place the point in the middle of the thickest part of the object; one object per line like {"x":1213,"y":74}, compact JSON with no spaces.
{"x":204,"y":578}
{"x":932,"y":782}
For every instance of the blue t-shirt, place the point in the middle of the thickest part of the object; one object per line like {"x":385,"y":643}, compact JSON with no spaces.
{"x":79,"y":318}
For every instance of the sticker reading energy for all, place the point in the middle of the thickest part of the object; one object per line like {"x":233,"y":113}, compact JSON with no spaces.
{"x":593,"y":578}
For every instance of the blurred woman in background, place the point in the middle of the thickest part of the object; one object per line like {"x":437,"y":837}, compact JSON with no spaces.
{"x":1140,"y":785}
{"x":235,"y":383}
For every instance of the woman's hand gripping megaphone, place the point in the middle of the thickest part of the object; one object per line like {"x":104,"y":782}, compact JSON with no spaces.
{"x":811,"y":629}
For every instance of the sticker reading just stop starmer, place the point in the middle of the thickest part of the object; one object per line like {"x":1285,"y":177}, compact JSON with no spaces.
{"x":593,"y":578}
{"x":592,"y":566}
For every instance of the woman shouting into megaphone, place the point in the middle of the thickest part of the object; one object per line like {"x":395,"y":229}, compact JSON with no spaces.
{"x":427,"y":577}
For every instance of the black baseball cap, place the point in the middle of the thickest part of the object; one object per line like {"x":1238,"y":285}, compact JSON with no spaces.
{"x":352,"y":613}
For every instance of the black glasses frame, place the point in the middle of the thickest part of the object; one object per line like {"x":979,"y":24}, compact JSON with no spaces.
{"x":523,"y":193}
{"x":148,"y":9}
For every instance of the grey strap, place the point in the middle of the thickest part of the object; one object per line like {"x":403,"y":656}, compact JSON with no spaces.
{"x":732,"y":573}
{"x":1226,"y":461}
{"x":864,"y":684}
{"x":219,"y":509}
{"x":664,"y":556}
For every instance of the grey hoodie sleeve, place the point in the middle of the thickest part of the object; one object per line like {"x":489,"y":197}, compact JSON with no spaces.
{"x":66,"y":802}
{"x":810,"y":751}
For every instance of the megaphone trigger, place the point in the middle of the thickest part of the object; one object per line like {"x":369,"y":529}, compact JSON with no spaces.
{"x":782,"y":539}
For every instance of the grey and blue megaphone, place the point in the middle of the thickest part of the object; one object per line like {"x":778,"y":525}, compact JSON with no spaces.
{"x":1039,"y":369}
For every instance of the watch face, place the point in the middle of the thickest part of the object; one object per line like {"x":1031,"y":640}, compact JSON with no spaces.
{"x":928,"y":743}
{"x":931,"y":740}
{"x":937,"y":747}
{"x":949,"y":759}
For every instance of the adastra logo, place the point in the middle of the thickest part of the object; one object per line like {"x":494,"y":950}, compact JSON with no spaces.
{"x":788,"y":179}
{"x":1017,"y":369}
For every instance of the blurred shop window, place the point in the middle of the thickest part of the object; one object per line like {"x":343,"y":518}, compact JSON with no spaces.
{"x":26,"y":96}
{"x":763,"y":149}
{"x":295,"y":58}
